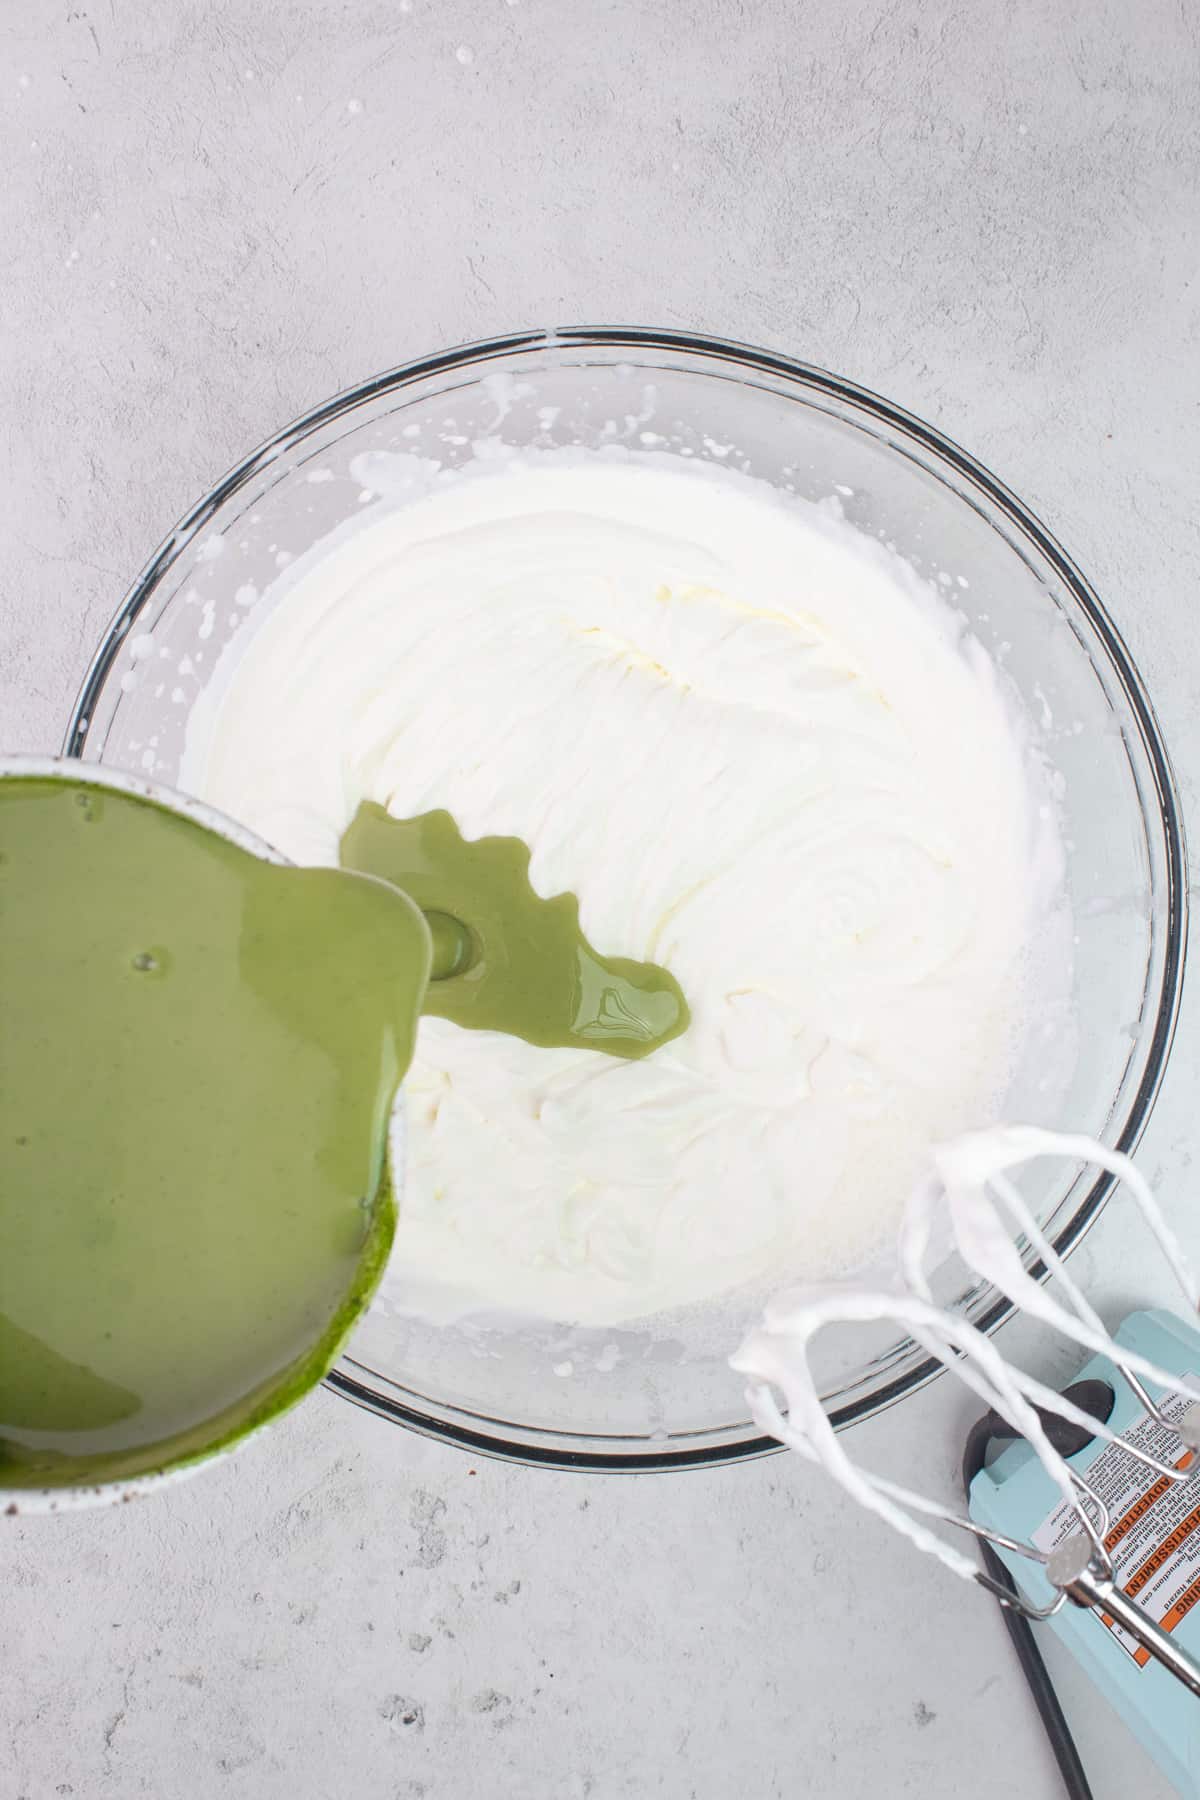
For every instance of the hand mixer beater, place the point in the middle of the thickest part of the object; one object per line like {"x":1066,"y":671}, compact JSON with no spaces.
{"x":1090,"y":1518}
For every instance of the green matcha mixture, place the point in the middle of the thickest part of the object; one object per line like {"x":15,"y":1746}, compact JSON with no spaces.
{"x":199,"y":1051}
{"x":504,"y":959}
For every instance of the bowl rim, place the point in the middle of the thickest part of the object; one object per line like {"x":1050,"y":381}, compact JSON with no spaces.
{"x":613,"y":1452}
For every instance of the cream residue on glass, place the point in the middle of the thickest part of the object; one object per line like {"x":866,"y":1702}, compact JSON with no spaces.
{"x":763,"y":754}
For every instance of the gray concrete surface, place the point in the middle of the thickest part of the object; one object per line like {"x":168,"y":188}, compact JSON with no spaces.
{"x":212,"y":214}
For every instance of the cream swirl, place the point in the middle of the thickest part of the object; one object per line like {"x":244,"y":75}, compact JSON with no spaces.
{"x":760,"y":752}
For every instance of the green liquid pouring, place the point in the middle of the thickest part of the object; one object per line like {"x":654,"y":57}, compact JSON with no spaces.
{"x":503,"y":958}
{"x":199,"y":1051}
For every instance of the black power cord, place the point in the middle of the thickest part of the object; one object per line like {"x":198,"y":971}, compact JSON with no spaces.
{"x":1098,"y":1399}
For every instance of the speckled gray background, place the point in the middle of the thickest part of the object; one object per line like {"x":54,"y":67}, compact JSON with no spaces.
{"x":213,"y":213}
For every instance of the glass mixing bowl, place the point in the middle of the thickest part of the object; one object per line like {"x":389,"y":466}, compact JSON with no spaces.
{"x":652,"y":1397}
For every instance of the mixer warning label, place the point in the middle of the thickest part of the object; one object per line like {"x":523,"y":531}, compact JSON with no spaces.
{"x":1154,"y":1529}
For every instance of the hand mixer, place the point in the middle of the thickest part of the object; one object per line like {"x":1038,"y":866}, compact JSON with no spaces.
{"x":1093,"y":1506}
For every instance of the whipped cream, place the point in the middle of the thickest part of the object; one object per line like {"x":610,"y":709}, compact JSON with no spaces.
{"x":762,"y":753}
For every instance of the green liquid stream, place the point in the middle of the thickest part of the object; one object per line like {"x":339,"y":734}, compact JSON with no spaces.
{"x":503,"y":958}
